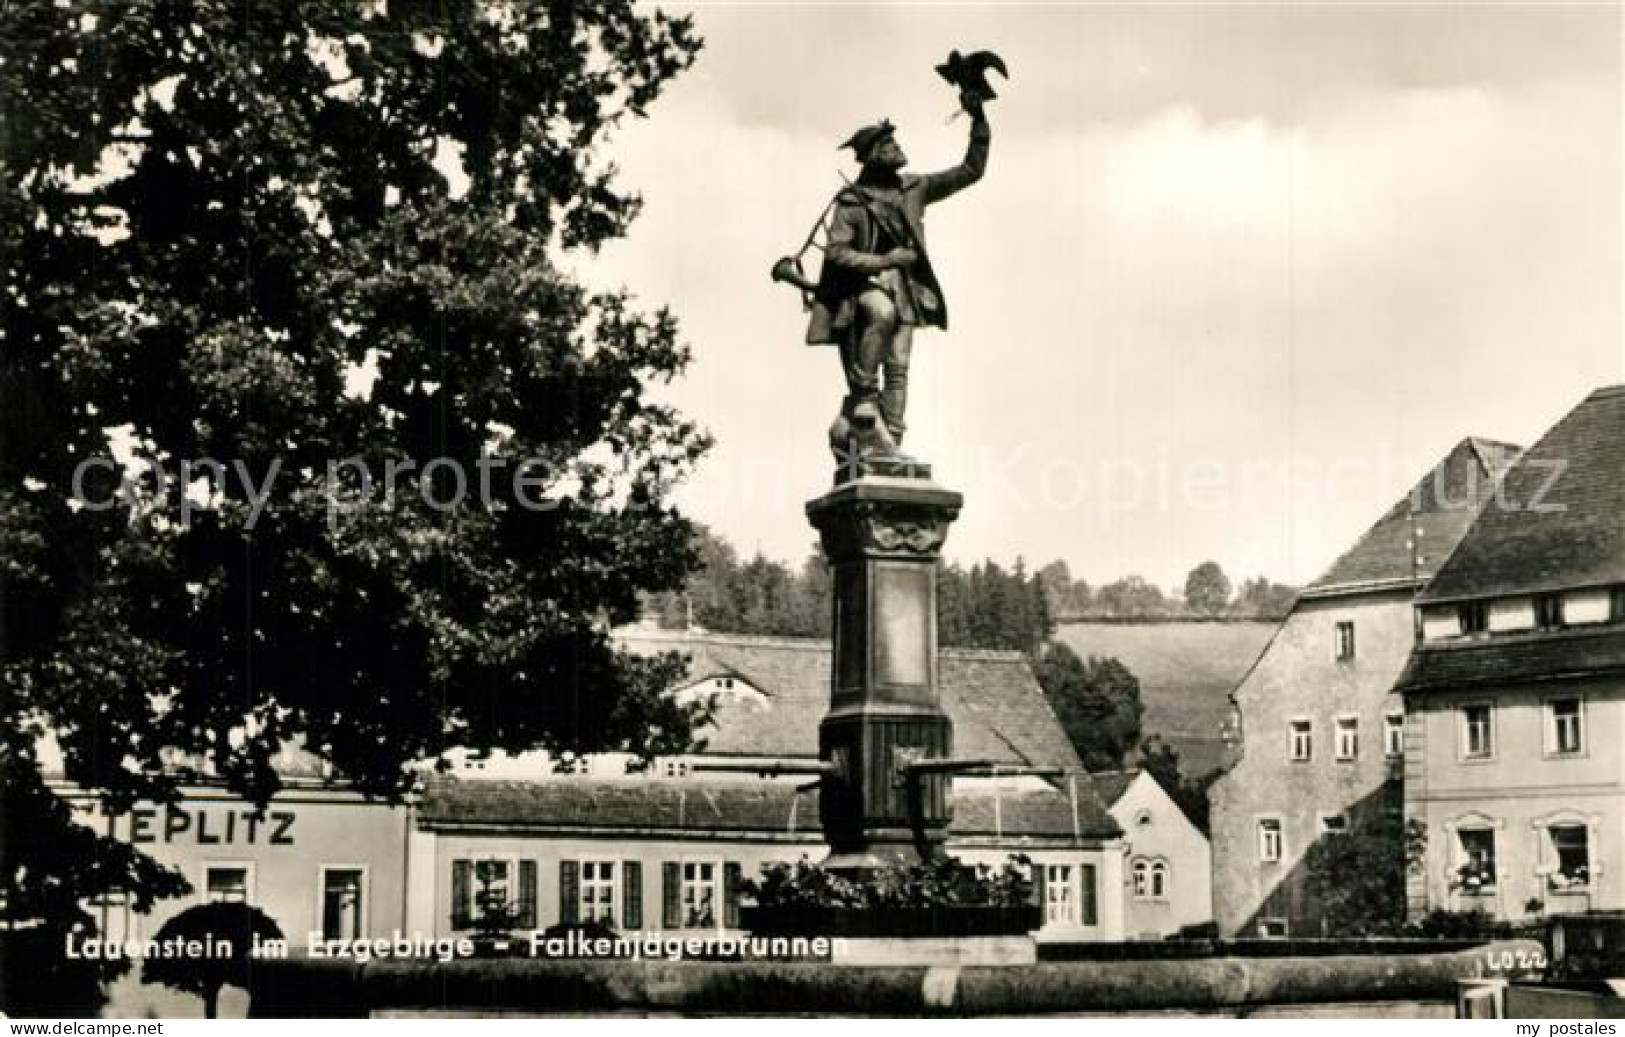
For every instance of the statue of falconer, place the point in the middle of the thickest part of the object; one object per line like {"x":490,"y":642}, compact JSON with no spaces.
{"x":877,"y":284}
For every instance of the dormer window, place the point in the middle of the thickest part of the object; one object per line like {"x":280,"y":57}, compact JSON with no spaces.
{"x":1474,"y":616}
{"x":723,"y":688}
{"x":1548,"y":611}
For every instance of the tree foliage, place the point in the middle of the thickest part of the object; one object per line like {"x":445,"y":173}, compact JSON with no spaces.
{"x":1358,"y":876}
{"x":224,"y":220}
{"x":1207,"y":589}
{"x":1264,"y":598}
{"x":987,"y":606}
{"x":1097,"y":702}
{"x":232,"y":930}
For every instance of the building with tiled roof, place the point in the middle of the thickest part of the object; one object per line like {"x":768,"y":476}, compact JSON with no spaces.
{"x":1170,"y":865}
{"x":667,"y":848}
{"x":1515,"y":692}
{"x":1317,"y":727}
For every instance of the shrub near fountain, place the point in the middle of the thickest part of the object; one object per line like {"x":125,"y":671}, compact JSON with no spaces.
{"x":933,"y":912}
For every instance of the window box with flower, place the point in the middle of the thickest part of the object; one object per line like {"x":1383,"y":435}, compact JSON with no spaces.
{"x":1475,"y":877}
{"x":1576,"y":879}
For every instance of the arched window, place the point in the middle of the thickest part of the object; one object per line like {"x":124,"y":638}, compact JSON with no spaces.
{"x":1159,"y":880}
{"x":1150,"y":879}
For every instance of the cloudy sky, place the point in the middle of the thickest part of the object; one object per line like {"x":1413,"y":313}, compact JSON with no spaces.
{"x":1236,"y":277}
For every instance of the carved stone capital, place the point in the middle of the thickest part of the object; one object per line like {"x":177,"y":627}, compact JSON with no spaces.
{"x":877,"y":517}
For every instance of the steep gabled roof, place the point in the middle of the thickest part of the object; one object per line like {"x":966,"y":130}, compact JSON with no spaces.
{"x":998,"y":709}
{"x":1435,"y":515}
{"x":1560,"y":519}
{"x":1110,"y":785}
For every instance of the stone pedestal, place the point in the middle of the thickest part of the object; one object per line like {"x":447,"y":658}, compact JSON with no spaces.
{"x":882,"y":535}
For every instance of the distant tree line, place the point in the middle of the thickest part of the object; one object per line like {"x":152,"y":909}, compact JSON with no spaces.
{"x":982,"y":606}
{"x":1208,"y":594}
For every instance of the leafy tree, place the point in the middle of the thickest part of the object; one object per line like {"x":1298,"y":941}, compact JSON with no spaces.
{"x":1097,"y":702}
{"x":290,"y":236}
{"x":1359,"y":876}
{"x":1264,"y":599}
{"x":230,"y":928}
{"x":1207,"y":589}
{"x":1131,"y":596}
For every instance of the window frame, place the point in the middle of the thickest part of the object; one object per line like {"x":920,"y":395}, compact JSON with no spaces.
{"x":616,"y":883}
{"x":1389,"y":729}
{"x":1060,"y":911}
{"x":250,"y":884}
{"x":1343,"y":643}
{"x":1474,"y":617}
{"x":1461,"y":856}
{"x":1551,"y":743}
{"x":1292,"y":738}
{"x":1264,"y":824}
{"x":510,"y":860}
{"x":1464,"y":726}
{"x":718,"y":892}
{"x":120,"y":904}
{"x":1346,"y":724}
{"x":363,"y":917}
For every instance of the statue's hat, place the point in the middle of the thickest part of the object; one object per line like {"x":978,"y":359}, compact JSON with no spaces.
{"x":865,"y":140}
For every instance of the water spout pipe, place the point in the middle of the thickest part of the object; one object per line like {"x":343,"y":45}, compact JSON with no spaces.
{"x":769,"y":768}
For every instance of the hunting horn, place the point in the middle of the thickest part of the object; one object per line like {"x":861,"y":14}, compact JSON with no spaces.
{"x":789,"y":271}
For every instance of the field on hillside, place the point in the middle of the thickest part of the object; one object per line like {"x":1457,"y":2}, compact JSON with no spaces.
{"x":1186,"y":670}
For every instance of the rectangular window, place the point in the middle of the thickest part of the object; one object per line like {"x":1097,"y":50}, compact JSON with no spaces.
{"x":1571,"y":853}
{"x":1393,"y":735}
{"x":1269,"y":840}
{"x":1060,"y":904}
{"x":116,"y":920}
{"x":1548,"y":611}
{"x":598,"y":892}
{"x":500,"y":891}
{"x":1476,"y":873}
{"x":1475,"y":617}
{"x":1301,"y":739}
{"x":1272,"y":928}
{"x":1333,"y":824}
{"x":1565,"y":726}
{"x":699,"y":895}
{"x":227,"y":884}
{"x":1345,"y":641}
{"x":1348,"y":738}
{"x":342,"y":901}
{"x":1477,"y":731}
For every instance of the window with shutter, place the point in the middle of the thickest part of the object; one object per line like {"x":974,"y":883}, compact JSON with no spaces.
{"x":632,"y":895}
{"x":527,"y":894}
{"x":462,"y":880}
{"x":671,"y":895}
{"x":569,"y":892}
{"x":731,"y":875}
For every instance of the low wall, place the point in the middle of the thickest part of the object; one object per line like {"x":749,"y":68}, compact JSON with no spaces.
{"x":304,"y":988}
